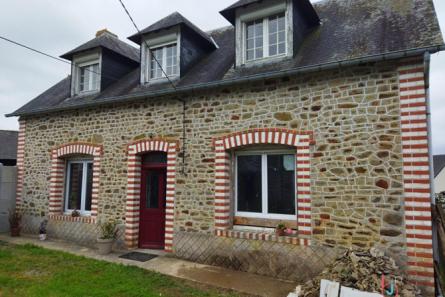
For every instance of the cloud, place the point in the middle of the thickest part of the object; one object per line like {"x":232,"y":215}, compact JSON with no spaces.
{"x":56,"y":27}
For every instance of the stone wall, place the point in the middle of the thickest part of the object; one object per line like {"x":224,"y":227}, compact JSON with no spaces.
{"x":354,"y":114}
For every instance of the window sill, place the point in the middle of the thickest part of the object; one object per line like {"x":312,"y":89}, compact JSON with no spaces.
{"x":69,"y":218}
{"x":264,"y":236}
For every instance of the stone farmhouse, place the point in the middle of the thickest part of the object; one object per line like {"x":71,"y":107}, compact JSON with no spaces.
{"x":311,"y":115}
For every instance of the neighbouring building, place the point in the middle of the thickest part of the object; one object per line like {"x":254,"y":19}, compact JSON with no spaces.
{"x":201,"y":143}
{"x":439,"y":174}
{"x":8,"y":147}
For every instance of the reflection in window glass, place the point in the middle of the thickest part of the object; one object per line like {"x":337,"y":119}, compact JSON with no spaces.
{"x":249,"y":183}
{"x":254,"y":40}
{"x":281,"y":184}
{"x":277,"y":37}
{"x":79,"y":186}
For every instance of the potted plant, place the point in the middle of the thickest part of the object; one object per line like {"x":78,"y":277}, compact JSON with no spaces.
{"x":75,"y":213}
{"x":108,"y":233}
{"x":280,"y":230}
{"x":42,"y":230}
{"x":15,"y":222}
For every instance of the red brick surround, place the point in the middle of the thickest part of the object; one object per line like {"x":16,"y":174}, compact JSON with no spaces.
{"x":20,"y":162}
{"x":416,"y":173}
{"x":135,"y":150}
{"x":58,"y":164}
{"x":299,"y":140}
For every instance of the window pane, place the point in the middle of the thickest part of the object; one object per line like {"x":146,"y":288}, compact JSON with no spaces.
{"x":249,"y":183}
{"x":152,"y":189}
{"x":95,"y":76}
{"x":82,"y":79}
{"x":153,"y":158}
{"x":281,"y":184}
{"x":89,"y":185}
{"x":156,"y":59}
{"x":277,"y":37}
{"x":254,"y":40}
{"x":75,"y":186}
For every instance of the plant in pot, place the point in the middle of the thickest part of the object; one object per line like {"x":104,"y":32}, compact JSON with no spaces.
{"x":42,"y":230}
{"x":280,"y":230}
{"x":108,"y":233}
{"x":15,"y":222}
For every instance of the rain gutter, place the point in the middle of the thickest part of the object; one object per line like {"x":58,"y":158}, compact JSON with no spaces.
{"x":246,"y":79}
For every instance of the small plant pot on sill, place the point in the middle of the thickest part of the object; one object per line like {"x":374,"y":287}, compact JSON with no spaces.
{"x":104,"y":246}
{"x":15,"y":231}
{"x":42,"y":236}
{"x":280,"y":232}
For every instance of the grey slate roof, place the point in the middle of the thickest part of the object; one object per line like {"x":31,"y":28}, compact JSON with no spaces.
{"x":169,"y":21}
{"x":439,"y":164}
{"x":8,"y":147}
{"x":349,"y":30}
{"x":109,"y":42}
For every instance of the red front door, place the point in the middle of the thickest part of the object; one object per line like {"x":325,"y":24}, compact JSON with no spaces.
{"x":152,"y":213}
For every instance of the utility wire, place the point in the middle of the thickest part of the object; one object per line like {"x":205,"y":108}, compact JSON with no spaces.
{"x":52,"y":57}
{"x":146,"y":44}
{"x":173,"y":85}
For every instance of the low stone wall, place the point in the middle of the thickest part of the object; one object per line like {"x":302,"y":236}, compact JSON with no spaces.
{"x":280,"y":260}
{"x":81,"y":233}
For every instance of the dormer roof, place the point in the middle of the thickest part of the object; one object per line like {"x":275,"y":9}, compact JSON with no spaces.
{"x":230,"y":12}
{"x":107,"y":40}
{"x":170,"y":21}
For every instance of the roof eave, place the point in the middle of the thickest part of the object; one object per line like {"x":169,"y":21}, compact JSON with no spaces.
{"x":275,"y":74}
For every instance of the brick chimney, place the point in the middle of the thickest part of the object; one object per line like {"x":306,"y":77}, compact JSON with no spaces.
{"x":105,"y":31}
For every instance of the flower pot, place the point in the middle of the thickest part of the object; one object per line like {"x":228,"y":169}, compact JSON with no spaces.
{"x":15,"y":231}
{"x":104,"y":246}
{"x":42,"y":236}
{"x":280,"y":232}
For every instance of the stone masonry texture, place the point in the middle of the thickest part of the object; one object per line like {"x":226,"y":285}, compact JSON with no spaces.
{"x":356,"y":161}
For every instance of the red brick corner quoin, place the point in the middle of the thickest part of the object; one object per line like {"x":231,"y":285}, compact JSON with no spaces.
{"x":416,"y":175}
{"x":57,"y":177}
{"x":20,"y":163}
{"x":135,"y":150}
{"x":299,"y":140}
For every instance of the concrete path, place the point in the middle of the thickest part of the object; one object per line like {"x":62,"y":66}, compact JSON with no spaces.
{"x":209,"y":275}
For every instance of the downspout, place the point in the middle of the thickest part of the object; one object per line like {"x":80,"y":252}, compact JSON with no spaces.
{"x":427,"y":60}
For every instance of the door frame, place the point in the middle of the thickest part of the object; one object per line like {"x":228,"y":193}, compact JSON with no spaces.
{"x":134,"y":164}
{"x":154,"y":167}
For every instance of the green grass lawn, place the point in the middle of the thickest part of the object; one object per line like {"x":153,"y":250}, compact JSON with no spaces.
{"x":33,"y":271}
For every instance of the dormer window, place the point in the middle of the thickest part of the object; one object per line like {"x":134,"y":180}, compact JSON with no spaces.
{"x":269,"y":31}
{"x":165,"y":56}
{"x":86,"y":74}
{"x":89,"y":78}
{"x":160,"y":58}
{"x":265,"y":37}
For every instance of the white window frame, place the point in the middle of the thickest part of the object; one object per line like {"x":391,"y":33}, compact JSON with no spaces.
{"x":264,"y":184}
{"x":90,"y":83}
{"x":263,"y":10}
{"x":83,"y":187}
{"x":163,"y":62}
{"x":266,"y":43}
{"x":159,"y":40}
{"x":82,"y":61}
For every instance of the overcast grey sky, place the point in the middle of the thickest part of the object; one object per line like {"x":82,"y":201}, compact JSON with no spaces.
{"x":56,"y":27}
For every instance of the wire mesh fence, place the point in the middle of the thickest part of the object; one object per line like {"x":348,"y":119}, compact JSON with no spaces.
{"x":268,"y":258}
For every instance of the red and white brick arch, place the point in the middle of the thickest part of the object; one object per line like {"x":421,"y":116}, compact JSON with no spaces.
{"x":416,"y":175}
{"x":301,"y":141}
{"x":57,"y":178}
{"x":135,"y":150}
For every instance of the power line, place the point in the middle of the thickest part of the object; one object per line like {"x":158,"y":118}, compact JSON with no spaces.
{"x":52,"y":57}
{"x":146,"y":44}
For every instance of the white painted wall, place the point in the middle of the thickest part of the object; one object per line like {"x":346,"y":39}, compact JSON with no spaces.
{"x":439,"y":182}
